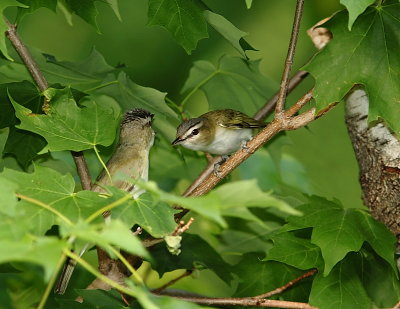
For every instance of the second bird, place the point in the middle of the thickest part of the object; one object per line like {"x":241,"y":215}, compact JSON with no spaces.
{"x":218,"y":132}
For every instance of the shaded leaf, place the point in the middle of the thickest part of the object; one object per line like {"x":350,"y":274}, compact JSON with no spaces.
{"x":258,"y":277}
{"x":84,"y":9}
{"x":3,"y":25}
{"x":69,"y":127}
{"x":295,"y":251}
{"x":338,"y":231}
{"x":232,"y":34}
{"x":33,"y":5}
{"x":235,"y":83}
{"x":23,"y":145}
{"x":182,"y":18}
{"x":196,"y":253}
{"x":342,"y":288}
{"x":367,"y":55}
{"x":380,"y":281}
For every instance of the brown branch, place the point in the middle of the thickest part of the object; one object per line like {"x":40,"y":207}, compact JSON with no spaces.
{"x":245,"y":302}
{"x":26,"y":57}
{"x":273,"y":128}
{"x":173,"y":281}
{"x":82,"y":170}
{"x":288,"y":285}
{"x":289,"y":60}
{"x":41,"y":82}
{"x":270,"y":105}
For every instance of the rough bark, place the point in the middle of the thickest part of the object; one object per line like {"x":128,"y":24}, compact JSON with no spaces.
{"x":378,"y":155}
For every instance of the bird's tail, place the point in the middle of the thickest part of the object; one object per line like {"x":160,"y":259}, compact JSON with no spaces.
{"x":65,"y":276}
{"x":66,"y":273}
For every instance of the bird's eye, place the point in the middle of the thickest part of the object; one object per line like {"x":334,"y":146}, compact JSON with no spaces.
{"x":195,"y":132}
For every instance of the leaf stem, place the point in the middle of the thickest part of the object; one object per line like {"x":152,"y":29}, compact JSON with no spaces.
{"x":135,"y":274}
{"x":102,"y":163}
{"x":193,"y":91}
{"x":94,"y":272}
{"x":45,"y":206}
{"x":107,"y":207}
{"x":52,"y":280}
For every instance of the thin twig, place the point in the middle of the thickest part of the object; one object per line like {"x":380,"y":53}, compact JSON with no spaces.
{"x":288,"y":285}
{"x":173,"y":281}
{"x":271,"y":103}
{"x":289,"y":60}
{"x":26,"y":57}
{"x":245,"y":302}
{"x":82,"y":169}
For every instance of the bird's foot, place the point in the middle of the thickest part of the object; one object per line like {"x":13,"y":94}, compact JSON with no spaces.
{"x":217,"y":165}
{"x":244,"y":146}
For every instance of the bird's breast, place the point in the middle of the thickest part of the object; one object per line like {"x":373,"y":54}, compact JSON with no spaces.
{"x":227,"y":140}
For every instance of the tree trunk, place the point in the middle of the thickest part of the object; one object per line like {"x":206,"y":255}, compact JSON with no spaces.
{"x":378,"y":155}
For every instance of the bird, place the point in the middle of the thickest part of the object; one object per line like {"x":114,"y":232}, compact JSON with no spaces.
{"x":218,"y":132}
{"x":130,"y":159}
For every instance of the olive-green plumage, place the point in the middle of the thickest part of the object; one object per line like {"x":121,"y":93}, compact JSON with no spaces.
{"x":218,"y":132}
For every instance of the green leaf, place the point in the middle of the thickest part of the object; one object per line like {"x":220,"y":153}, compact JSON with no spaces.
{"x":295,"y":251}
{"x":69,"y":127}
{"x":341,"y":289}
{"x":338,"y":231}
{"x":182,"y":18}
{"x":92,"y":298}
{"x":113,"y":233}
{"x":129,"y":95}
{"x":196,"y":253}
{"x":240,"y":242}
{"x":231,"y":196}
{"x":23,"y":145}
{"x":232,"y":34}
{"x":208,"y":206}
{"x":367,"y":55}
{"x":8,"y":200}
{"x":33,"y":5}
{"x":258,"y":277}
{"x":249,"y":3}
{"x":44,"y":251}
{"x":85,"y":10}
{"x":3,"y":25}
{"x":114,"y":5}
{"x":380,"y":281}
{"x":235,"y":83}
{"x":55,"y":190}
{"x":355,"y":8}
{"x":157,"y":218}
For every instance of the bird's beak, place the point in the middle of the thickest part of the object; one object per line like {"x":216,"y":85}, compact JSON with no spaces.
{"x":176,"y":141}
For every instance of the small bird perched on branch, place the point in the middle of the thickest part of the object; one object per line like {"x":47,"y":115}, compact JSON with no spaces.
{"x":130,"y":159}
{"x":219,"y":132}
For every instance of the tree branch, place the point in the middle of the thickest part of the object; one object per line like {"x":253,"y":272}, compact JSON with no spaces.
{"x":288,"y":285}
{"x":173,"y":281}
{"x":41,"y":82}
{"x":289,"y":60}
{"x":245,"y":302}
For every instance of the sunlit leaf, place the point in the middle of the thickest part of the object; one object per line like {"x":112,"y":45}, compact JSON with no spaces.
{"x":355,"y":8}
{"x":69,"y":127}
{"x":367,"y":55}
{"x":43,"y":251}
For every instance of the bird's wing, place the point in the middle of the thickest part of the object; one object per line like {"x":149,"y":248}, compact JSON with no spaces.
{"x":238,"y":120}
